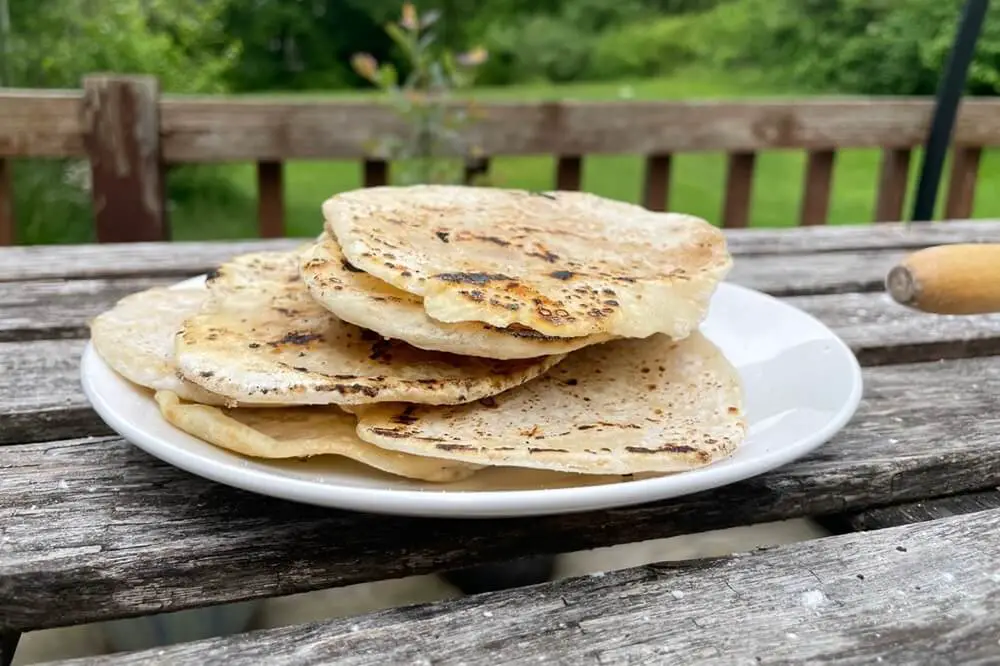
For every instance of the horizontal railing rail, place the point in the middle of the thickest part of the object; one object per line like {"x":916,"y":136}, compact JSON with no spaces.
{"x":130,"y":134}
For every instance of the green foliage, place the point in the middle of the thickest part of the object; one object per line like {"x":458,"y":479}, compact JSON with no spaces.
{"x":423,"y":100}
{"x":879,"y":47}
{"x":648,"y":48}
{"x":555,"y":45}
{"x":539,"y":48}
{"x":54,"y":43}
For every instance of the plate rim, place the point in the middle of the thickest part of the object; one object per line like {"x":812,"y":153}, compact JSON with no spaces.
{"x":465,"y":504}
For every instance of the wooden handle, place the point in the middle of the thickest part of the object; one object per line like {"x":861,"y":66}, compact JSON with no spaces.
{"x":949,"y":279}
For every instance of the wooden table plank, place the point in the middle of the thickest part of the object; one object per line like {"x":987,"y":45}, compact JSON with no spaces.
{"x":46,"y":309}
{"x":97,"y":529}
{"x":878,"y":330}
{"x":190,"y":258}
{"x":40,"y":394}
{"x":914,"y":512}
{"x":924,"y":593}
{"x":792,"y":274}
{"x":179,"y":259}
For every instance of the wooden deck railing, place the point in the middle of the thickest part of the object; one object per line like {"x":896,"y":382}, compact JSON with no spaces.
{"x":130,"y":134}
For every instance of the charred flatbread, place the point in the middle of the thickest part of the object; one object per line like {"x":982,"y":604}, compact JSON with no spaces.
{"x":564,"y":264}
{"x":623,"y":407}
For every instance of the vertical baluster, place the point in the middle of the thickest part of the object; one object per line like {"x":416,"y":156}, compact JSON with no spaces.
{"x":7,"y":225}
{"x":656,"y":188}
{"x":739,"y":186}
{"x":818,"y":182}
{"x":962,"y":184}
{"x":270,"y":199}
{"x":476,"y":167}
{"x":568,"y":172}
{"x":376,"y":173}
{"x":892,"y":181}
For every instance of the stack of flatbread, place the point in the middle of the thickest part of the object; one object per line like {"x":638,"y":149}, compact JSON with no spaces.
{"x":432,"y":331}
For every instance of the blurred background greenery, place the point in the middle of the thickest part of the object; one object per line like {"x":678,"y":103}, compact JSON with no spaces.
{"x":538,"y":49}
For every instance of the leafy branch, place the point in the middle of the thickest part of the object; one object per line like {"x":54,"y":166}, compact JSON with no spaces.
{"x":424,"y":100}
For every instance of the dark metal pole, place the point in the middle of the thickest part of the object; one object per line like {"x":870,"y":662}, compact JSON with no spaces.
{"x":949,"y":94}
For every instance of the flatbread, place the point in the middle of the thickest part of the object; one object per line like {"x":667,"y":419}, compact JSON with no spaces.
{"x":359,"y":298}
{"x":623,"y":407}
{"x":263,"y":339}
{"x":299,"y":432}
{"x":561,"y":263}
{"x":136,"y":338}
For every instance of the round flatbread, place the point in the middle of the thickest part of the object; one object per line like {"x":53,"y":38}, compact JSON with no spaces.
{"x":359,"y":298}
{"x":300,"y":432}
{"x":561,"y":263}
{"x":622,"y":407}
{"x":136,"y":338}
{"x":263,"y":339}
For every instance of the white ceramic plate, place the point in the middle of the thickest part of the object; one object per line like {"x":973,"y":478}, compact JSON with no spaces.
{"x":801,"y":384}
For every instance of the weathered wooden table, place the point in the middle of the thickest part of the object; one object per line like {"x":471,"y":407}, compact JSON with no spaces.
{"x":91,"y":528}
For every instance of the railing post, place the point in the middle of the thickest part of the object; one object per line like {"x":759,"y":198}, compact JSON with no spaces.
{"x":121,"y":134}
{"x":8,"y":226}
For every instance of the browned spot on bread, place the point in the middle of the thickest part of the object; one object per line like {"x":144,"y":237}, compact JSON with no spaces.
{"x":391,"y":432}
{"x":465,"y":235}
{"x":539,"y":450}
{"x":455,"y":447}
{"x":545,"y":255}
{"x":295,"y":338}
{"x":348,"y":389}
{"x":670,"y":448}
{"x":471,"y":278}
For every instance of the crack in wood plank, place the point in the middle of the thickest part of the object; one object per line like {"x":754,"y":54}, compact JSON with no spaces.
{"x":920,"y":593}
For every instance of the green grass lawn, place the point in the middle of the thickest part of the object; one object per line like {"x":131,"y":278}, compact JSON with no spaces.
{"x":697,"y":181}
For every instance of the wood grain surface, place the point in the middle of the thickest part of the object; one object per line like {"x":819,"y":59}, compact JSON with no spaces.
{"x":97,"y":529}
{"x":40,"y":394}
{"x":182,"y":259}
{"x":915,"y":512}
{"x":926,"y":593}
{"x":791,"y":274}
{"x":47,"y":309}
{"x":121,"y":126}
{"x":47,"y":124}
